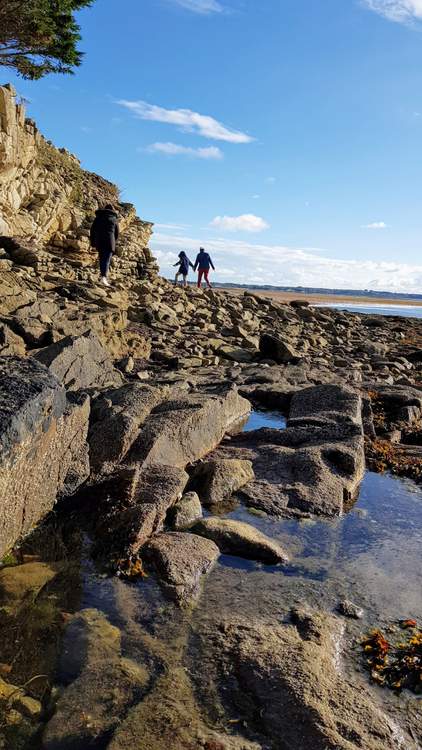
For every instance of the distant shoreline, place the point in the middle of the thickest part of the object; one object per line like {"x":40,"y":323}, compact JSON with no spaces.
{"x":335,"y":299}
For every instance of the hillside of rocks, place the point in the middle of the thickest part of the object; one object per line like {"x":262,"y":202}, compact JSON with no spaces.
{"x":121,"y":430}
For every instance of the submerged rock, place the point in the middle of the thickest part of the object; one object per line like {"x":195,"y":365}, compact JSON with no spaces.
{"x":20,"y":716}
{"x":240,"y":539}
{"x":349,"y":609}
{"x":180,"y":560}
{"x":103,"y":684}
{"x":21,"y":582}
{"x":169,"y":717}
{"x":285,"y":685}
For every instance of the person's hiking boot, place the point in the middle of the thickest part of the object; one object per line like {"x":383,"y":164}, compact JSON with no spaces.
{"x":105,"y":281}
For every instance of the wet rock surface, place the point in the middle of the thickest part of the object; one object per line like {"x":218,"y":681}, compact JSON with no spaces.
{"x":285,"y":683}
{"x":104,"y":684}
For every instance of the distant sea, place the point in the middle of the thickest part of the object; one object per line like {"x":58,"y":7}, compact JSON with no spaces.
{"x":404,"y":311}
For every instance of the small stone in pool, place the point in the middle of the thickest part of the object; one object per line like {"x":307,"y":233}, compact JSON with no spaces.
{"x":349,"y":609}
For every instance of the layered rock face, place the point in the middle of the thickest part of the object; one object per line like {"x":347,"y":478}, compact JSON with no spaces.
{"x":43,"y":449}
{"x":49,"y":201}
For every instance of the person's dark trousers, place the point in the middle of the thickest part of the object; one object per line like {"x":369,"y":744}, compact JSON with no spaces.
{"x":105,"y":260}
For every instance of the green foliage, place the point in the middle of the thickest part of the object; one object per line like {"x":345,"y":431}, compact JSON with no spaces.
{"x":40,"y":36}
{"x":8,"y":561}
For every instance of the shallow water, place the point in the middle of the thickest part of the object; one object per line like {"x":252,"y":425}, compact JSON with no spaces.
{"x":372,"y":554}
{"x":404,"y":311}
{"x":258,"y":419}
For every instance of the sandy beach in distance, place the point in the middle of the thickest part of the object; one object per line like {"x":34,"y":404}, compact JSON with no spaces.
{"x":316,"y":299}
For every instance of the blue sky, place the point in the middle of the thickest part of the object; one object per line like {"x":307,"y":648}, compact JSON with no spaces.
{"x":285,"y":135}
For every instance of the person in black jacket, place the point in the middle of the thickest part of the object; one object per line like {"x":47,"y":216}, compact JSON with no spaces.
{"x":104,"y":235}
{"x":184,"y":264}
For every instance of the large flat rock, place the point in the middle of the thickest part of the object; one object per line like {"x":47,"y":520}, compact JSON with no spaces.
{"x":182,"y":430}
{"x":325,"y":404}
{"x":314,"y":466}
{"x":42,"y":445}
{"x":80,"y":362}
{"x":116,"y":419}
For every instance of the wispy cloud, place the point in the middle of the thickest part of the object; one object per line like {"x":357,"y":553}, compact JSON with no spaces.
{"x":186,"y":120}
{"x":401,"y":11}
{"x":244,"y":223}
{"x":204,"y":7}
{"x":375,"y":225}
{"x":173,"y":227}
{"x":257,"y":263}
{"x":175,"y":149}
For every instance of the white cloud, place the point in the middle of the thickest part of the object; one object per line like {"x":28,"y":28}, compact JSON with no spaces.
{"x":253,"y":263}
{"x":244,"y":223}
{"x":172,"y":227}
{"x":201,"y":6}
{"x":401,"y":11}
{"x":186,"y":120}
{"x":175,"y":149}
{"x":270,"y":180}
{"x":375,"y":225}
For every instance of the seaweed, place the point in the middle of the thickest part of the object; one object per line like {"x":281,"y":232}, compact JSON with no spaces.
{"x":395,"y":665}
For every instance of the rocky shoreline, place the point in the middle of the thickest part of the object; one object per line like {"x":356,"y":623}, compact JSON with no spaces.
{"x":121,"y":444}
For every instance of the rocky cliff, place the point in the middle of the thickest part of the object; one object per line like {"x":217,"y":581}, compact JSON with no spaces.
{"x":48,"y":201}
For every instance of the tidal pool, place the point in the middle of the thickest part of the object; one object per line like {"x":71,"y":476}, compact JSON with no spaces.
{"x":259,"y":419}
{"x":371,"y":555}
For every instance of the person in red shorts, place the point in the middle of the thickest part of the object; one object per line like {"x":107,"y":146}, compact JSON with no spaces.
{"x":203,"y":263}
